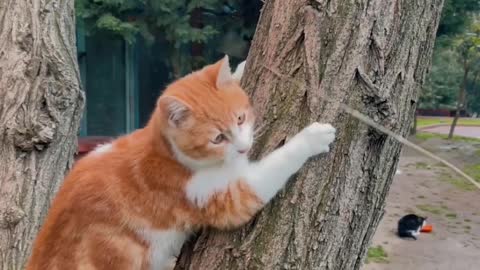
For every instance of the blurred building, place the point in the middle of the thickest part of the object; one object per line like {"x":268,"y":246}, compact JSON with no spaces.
{"x":122,"y":81}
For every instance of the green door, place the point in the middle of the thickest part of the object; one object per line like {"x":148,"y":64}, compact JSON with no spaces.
{"x":105,"y":86}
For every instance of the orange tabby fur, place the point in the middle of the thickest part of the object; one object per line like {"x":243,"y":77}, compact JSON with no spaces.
{"x":108,"y":196}
{"x":132,"y":203}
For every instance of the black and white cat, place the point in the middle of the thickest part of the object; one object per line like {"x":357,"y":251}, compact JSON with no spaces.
{"x":411,"y":225}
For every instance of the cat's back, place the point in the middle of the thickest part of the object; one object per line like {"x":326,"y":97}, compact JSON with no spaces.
{"x":94,"y":178}
{"x":86,"y":204}
{"x":408,"y":223}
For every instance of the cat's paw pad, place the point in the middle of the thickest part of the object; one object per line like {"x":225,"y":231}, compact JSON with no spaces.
{"x":318,"y":137}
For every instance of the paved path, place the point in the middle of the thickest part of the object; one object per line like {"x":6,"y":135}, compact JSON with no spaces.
{"x":465,"y":131}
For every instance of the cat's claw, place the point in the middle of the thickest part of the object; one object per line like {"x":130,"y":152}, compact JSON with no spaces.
{"x":317,"y":138}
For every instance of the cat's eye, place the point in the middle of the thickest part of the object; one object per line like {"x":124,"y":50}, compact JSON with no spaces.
{"x":241,"y":119}
{"x":219,"y":139}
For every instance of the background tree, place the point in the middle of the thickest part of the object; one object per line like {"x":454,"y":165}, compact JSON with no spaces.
{"x":473,"y":93}
{"x":40,"y":108}
{"x":457,"y":16}
{"x":441,"y":90}
{"x":371,"y":55}
{"x":468,"y":48}
{"x":445,"y":76}
{"x":181,"y":23}
{"x":443,"y":81}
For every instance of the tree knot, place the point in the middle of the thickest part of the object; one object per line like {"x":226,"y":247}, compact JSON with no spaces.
{"x":10,"y":216}
{"x":34,"y":136}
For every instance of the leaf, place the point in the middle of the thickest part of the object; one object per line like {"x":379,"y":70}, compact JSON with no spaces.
{"x":111,"y":23}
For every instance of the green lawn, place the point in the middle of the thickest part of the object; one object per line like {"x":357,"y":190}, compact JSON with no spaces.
{"x":458,"y":182}
{"x":431,"y":121}
{"x":377,"y":255}
{"x":426,"y":136}
{"x":474,"y":171}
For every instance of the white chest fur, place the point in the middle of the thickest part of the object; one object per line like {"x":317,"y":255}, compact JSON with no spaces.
{"x":165,"y":245}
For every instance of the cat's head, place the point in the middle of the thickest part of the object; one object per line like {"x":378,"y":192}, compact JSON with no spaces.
{"x":207,"y":117}
{"x":422,"y":221}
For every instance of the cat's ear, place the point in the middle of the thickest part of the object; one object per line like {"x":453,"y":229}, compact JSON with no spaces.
{"x":221,"y":75}
{"x":224,"y":75}
{"x":177,"y":111}
{"x":237,"y":75}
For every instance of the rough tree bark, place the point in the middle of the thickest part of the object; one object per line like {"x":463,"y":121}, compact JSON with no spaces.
{"x":370,"y":54}
{"x":40,"y":108}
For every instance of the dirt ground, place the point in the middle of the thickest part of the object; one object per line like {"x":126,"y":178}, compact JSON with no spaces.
{"x":425,"y":187}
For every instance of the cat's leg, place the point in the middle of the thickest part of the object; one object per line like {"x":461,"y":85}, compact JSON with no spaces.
{"x":233,"y":202}
{"x":105,"y":248}
{"x":413,"y":234}
{"x":270,"y":174}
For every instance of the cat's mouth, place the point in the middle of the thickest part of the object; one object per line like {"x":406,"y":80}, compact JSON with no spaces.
{"x":243,"y":151}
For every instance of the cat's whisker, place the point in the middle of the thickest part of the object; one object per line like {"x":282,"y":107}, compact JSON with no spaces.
{"x":260,"y":128}
{"x":259,"y":131}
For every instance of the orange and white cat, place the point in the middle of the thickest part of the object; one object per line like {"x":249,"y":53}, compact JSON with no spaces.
{"x":132,"y":203}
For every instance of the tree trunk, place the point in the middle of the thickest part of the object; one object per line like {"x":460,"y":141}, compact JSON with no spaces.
{"x":40,"y":108}
{"x":460,"y":101}
{"x":372,"y":55}
{"x":413,"y":131}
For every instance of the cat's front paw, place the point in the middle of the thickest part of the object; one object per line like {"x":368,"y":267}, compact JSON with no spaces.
{"x":317,"y":138}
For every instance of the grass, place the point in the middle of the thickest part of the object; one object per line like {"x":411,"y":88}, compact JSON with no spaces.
{"x":424,"y":136}
{"x":459,"y":183}
{"x":451,"y":215}
{"x":431,"y":121}
{"x":430,"y":209}
{"x":439,"y":164}
{"x":421,"y":197}
{"x":473,"y":171}
{"x":439,"y":211}
{"x":422,"y":166}
{"x":377,"y":255}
